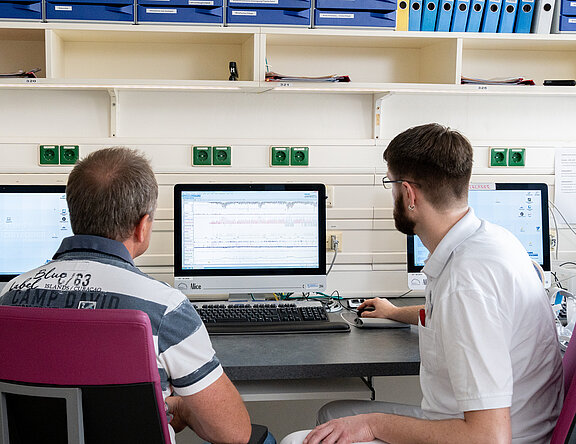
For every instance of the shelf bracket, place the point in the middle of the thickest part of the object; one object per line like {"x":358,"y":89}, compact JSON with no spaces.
{"x":113,"y":93}
{"x":378,"y":103}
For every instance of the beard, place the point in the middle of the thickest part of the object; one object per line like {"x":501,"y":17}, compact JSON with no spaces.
{"x":403,"y":223}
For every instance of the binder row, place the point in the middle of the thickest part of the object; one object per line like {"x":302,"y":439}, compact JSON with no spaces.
{"x":303,"y":13}
{"x":498,"y":16}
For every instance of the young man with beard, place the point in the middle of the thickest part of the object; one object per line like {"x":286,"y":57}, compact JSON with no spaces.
{"x":491,"y":370}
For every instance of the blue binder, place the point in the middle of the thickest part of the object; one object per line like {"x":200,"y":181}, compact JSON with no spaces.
{"x":444,"y":15}
{"x":429,"y":14}
{"x":460,"y":16}
{"x":415,"y":15}
{"x":524,"y":16}
{"x":491,"y":16}
{"x":475,"y":15}
{"x":507,"y":16}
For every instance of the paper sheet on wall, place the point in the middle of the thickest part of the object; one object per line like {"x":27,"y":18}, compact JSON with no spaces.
{"x":565,"y":182}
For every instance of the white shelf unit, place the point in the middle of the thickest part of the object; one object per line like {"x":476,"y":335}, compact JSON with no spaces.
{"x":145,"y":57}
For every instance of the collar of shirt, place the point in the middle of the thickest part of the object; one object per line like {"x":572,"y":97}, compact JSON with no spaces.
{"x":84,"y":242}
{"x":462,"y":230}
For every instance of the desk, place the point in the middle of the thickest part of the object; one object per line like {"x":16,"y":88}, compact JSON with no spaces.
{"x":360,"y":353}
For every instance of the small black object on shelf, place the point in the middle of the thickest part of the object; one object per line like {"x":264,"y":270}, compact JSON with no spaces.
{"x":233,"y":71}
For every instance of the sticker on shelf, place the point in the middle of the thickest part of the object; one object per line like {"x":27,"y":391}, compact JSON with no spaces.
{"x":161,"y":11}
{"x":336,"y":16}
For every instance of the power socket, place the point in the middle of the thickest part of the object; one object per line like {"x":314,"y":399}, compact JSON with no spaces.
{"x":330,"y":237}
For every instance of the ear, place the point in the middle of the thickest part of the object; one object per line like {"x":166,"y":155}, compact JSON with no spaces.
{"x":410,"y":193}
{"x":141,"y":228}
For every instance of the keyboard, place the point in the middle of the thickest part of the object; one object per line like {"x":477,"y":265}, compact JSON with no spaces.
{"x":267,"y":317}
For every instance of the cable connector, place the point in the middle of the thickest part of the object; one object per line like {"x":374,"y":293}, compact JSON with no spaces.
{"x":334,"y":242}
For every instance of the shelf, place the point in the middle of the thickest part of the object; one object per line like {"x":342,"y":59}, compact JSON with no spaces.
{"x":122,"y":57}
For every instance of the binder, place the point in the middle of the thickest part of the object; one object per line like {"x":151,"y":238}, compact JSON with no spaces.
{"x":429,"y":14}
{"x":507,"y":16}
{"x":460,"y":16}
{"x":402,"y":11}
{"x":542,"y":19}
{"x":444,"y":15}
{"x":475,"y":15}
{"x":524,"y":16}
{"x":415,"y":15}
{"x":491,"y":16}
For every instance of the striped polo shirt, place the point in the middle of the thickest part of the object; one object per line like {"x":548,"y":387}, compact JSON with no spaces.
{"x":95,"y":272}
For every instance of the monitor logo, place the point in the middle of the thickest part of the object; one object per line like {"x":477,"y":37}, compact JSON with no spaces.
{"x":195,"y":286}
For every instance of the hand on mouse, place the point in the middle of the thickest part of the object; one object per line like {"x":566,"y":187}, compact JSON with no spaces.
{"x":376,"y":308}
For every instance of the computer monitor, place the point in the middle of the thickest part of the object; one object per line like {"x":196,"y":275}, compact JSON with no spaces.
{"x":33,"y":221}
{"x":521,"y":208}
{"x":249,"y":238}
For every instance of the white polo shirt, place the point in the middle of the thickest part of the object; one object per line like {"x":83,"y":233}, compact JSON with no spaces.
{"x":490,"y":339}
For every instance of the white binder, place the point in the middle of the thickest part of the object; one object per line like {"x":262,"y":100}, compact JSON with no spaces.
{"x":543,"y":14}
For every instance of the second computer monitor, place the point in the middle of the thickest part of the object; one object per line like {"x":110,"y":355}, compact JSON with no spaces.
{"x":33,"y":221}
{"x":249,"y":238}
{"x":521,"y":208}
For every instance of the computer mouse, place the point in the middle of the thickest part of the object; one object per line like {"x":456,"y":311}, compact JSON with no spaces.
{"x":362,"y":310}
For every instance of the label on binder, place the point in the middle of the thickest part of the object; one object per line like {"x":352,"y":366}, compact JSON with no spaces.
{"x":63,"y":8}
{"x":572,"y":4}
{"x":336,"y":16}
{"x":161,"y":11}
{"x":572,"y":20}
{"x":250,"y":13}
{"x":200,"y":3}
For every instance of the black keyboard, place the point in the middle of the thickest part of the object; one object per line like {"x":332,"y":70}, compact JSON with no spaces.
{"x":267,"y":317}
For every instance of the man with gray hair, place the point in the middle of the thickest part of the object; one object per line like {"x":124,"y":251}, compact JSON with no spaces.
{"x":112,"y":196}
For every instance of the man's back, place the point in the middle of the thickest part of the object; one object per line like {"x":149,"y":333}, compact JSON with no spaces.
{"x":497,"y":332}
{"x":94,"y":272}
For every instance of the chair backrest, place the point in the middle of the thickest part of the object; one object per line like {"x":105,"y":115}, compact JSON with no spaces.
{"x":108,"y":356}
{"x":564,"y":431}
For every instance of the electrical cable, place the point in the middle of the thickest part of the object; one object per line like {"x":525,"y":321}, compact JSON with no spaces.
{"x":555,"y":228}
{"x":335,"y":248}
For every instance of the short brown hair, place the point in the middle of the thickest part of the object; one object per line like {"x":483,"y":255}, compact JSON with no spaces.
{"x":109,"y":191}
{"x":437,"y":158}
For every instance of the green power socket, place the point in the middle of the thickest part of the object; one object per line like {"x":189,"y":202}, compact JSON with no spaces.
{"x":69,"y":154}
{"x":201,"y":155}
{"x":279,"y":156}
{"x":517,"y":157}
{"x":498,"y":157}
{"x":49,"y":155}
{"x":299,"y":156}
{"x":222,"y":155}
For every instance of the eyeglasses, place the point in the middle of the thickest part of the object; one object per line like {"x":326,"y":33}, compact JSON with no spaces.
{"x":386,"y":182}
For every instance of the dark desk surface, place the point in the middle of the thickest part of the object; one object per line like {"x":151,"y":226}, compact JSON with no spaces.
{"x":362,"y":352}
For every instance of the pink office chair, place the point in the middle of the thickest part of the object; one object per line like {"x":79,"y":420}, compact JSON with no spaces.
{"x":79,"y":376}
{"x":564,"y":432}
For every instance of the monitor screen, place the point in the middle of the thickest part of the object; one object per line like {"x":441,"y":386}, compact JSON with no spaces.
{"x":249,"y":237}
{"x":521,"y":208}
{"x":33,"y":221}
